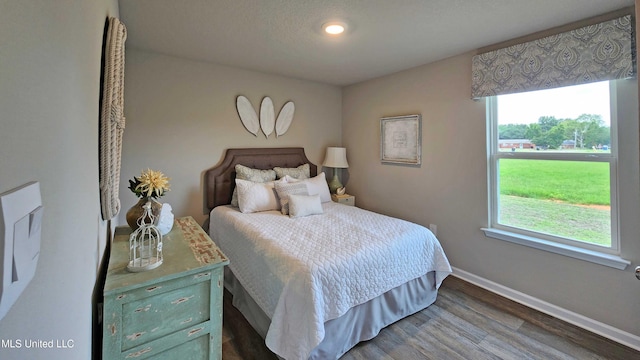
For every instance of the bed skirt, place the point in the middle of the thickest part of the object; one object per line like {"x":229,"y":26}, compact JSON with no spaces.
{"x":360,"y":323}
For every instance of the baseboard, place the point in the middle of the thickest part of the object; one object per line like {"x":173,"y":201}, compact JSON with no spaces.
{"x":584,"y":322}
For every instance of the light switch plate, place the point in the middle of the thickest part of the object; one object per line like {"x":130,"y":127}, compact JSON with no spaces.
{"x":21,"y":215}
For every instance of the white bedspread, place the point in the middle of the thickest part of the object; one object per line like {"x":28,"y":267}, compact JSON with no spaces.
{"x":303,"y":272}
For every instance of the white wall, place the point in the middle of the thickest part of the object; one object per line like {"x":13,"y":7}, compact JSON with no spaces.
{"x":49,"y":92}
{"x":181,"y":116}
{"x":450,"y":190}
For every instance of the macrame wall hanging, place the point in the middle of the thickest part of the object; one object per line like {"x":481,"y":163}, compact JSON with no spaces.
{"x":267,"y":122}
{"x":112,"y":118}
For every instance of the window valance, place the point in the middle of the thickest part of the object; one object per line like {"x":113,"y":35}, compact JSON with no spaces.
{"x":604,"y":51}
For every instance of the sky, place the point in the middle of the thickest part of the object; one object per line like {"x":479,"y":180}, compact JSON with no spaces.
{"x":567,"y":102}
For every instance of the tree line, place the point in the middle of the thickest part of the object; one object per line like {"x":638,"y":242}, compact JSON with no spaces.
{"x":588,"y":130}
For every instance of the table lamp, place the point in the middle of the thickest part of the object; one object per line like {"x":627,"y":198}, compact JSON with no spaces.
{"x":335,"y":158}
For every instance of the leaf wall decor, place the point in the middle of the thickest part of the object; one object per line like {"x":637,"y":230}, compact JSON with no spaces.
{"x":267,"y":116}
{"x":247,"y":115}
{"x":267,"y":120}
{"x":285,"y":118}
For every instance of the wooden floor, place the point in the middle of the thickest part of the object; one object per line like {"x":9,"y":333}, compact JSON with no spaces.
{"x":465,"y":322}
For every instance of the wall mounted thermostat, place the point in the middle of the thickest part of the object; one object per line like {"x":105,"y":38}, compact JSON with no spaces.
{"x":20,"y":231}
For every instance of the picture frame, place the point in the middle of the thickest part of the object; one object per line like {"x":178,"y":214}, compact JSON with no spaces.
{"x":401,"y":140}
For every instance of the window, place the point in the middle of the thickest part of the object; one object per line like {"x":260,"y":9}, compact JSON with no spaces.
{"x":552,"y":157}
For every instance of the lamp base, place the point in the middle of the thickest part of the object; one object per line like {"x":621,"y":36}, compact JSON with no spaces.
{"x":335,"y":183}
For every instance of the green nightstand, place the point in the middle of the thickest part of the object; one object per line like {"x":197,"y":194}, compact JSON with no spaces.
{"x":171,"y":312}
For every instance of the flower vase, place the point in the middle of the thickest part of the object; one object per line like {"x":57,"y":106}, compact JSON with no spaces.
{"x":137,"y":211}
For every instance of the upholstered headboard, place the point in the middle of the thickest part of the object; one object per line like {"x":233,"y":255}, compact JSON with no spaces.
{"x":219,"y":181}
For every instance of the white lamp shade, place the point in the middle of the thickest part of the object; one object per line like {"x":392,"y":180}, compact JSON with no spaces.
{"x":336,"y":157}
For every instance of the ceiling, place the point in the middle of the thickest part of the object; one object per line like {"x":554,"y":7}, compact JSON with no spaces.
{"x":384,"y":36}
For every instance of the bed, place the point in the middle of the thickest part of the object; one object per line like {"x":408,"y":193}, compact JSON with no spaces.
{"x":317,"y":284}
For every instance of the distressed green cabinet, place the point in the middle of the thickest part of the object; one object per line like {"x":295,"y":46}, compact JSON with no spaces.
{"x":171,"y":312}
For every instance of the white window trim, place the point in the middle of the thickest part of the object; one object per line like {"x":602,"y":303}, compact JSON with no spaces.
{"x":575,"y":252}
{"x":608,"y":256}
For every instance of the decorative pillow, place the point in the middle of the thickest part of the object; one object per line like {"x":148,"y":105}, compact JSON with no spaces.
{"x":304,"y":205}
{"x":256,"y":196}
{"x":285,"y":189}
{"x":255,"y":175}
{"x":317,"y":185}
{"x":301,"y":172}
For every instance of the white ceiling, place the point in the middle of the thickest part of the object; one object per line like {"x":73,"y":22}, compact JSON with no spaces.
{"x":385,"y":36}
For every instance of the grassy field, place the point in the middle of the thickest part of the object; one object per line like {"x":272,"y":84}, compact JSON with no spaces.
{"x":575,"y":182}
{"x":591,"y":225}
{"x":570,"y":199}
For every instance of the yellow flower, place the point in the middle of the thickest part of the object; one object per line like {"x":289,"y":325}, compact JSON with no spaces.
{"x":150,"y":184}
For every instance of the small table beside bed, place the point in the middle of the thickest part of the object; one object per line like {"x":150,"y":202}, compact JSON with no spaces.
{"x":312,"y":276}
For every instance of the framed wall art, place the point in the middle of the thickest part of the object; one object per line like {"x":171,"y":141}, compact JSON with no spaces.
{"x":400,"y":140}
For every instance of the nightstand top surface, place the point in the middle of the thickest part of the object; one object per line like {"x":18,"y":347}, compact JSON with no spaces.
{"x":186,"y":248}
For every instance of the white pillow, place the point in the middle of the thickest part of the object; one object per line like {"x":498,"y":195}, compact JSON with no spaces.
{"x":255,"y":196}
{"x":286,"y":189}
{"x":316,"y":185}
{"x":304,"y":205}
{"x":255,"y":175}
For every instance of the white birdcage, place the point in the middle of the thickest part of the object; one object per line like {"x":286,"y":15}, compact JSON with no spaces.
{"x":145,"y":243}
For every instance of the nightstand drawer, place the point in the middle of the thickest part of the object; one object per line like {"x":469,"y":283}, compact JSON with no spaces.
{"x":156,"y":316}
{"x":197,"y":348}
{"x":344,"y":199}
{"x":169,"y":285}
{"x":189,"y":340}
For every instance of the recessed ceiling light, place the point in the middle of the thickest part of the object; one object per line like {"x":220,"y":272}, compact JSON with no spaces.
{"x":334,"y":27}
